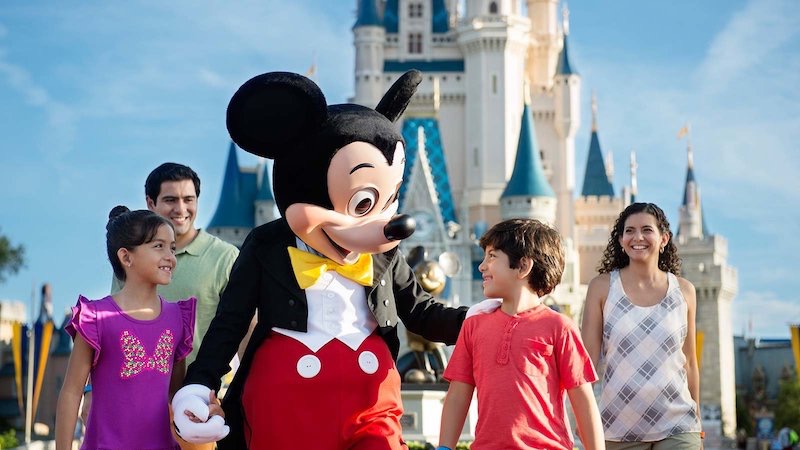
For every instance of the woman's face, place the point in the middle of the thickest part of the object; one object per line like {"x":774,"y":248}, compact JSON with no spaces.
{"x":641,"y":239}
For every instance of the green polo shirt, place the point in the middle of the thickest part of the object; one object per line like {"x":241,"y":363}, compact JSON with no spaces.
{"x":202,"y":271}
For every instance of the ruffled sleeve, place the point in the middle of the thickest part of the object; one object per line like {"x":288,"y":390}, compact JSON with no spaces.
{"x":84,"y":322}
{"x":188,"y":312}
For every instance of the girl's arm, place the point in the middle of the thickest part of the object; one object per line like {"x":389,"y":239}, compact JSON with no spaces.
{"x":178,"y":374}
{"x":592,"y":323}
{"x":689,"y":345}
{"x":80,"y":363}
{"x":454,"y":413}
{"x":587,"y":417}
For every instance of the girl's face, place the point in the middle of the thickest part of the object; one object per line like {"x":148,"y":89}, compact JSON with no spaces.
{"x":641,"y":239}
{"x":154,"y":261}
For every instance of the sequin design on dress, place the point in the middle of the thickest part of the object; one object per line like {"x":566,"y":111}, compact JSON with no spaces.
{"x":135,"y":359}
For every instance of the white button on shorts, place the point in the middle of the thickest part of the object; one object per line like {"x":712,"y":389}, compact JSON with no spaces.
{"x":308,"y":366}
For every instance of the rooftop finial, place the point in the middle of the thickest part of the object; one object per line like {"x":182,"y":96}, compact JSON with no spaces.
{"x":526,"y":91}
{"x":594,"y":110}
{"x":609,"y":165}
{"x":686,"y":132}
{"x":565,"y":19}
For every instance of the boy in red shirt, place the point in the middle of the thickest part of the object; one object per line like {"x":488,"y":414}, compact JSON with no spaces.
{"x":523,"y":357}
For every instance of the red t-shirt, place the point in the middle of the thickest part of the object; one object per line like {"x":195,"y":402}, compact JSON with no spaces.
{"x":521,"y":366}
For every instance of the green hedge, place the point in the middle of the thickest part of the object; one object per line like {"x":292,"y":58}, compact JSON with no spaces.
{"x":8,"y":439}
{"x":416,"y":445}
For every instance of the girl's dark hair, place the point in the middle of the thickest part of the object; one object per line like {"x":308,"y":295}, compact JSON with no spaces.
{"x":128,"y":229}
{"x":614,"y":258}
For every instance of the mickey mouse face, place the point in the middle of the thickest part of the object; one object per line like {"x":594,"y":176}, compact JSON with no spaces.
{"x":363,"y":189}
{"x":337,"y":169}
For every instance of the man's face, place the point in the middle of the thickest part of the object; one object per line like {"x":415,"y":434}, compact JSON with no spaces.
{"x":177,"y":201}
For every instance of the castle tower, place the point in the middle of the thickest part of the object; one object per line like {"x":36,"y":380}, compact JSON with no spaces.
{"x":265,"y":203}
{"x":597,"y":207}
{"x":528,"y":194}
{"x":566,"y":121}
{"x":544,"y":44}
{"x":704,"y":263}
{"x":494,"y":40}
{"x":235,"y":213}
{"x":368,"y":37}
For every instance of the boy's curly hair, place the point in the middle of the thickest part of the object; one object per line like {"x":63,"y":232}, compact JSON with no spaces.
{"x":613,"y":256}
{"x":530,"y":238}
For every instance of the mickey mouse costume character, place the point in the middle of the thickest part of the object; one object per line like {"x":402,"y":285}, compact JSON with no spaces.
{"x":327,"y":280}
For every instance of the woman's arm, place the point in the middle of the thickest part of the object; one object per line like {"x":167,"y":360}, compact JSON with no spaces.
{"x":587,"y":416}
{"x":592,"y":322}
{"x":454,"y":413}
{"x":80,"y":363}
{"x":689,"y":345}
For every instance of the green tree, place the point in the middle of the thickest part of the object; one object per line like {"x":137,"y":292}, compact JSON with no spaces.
{"x":787,"y":410}
{"x":11,"y":258}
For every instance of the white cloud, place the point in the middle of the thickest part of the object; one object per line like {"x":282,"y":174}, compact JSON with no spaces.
{"x":748,"y":40}
{"x":769,"y":314}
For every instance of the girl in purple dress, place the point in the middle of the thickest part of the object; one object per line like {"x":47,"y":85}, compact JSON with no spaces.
{"x":132,"y":344}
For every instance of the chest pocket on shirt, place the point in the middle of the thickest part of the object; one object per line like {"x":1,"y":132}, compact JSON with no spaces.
{"x":534,"y":357}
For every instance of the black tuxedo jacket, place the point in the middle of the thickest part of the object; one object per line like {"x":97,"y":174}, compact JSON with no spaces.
{"x":262,"y":281}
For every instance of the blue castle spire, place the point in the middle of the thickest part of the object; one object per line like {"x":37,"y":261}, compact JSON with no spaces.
{"x":528,"y":178}
{"x":265,"y":190}
{"x":595,"y":179}
{"x":368,"y":15}
{"x":234,"y":208}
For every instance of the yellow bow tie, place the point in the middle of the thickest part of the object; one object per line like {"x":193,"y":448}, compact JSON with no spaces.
{"x":309,"y":267}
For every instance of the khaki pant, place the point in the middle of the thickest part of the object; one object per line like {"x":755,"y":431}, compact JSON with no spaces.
{"x":683,"y":441}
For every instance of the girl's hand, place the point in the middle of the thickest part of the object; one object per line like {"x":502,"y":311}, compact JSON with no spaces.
{"x":214,"y":409}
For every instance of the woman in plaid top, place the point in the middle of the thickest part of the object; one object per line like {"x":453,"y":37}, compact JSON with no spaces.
{"x":639,"y":320}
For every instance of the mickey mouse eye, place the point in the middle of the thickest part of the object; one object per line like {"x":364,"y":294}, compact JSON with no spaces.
{"x":362,"y":202}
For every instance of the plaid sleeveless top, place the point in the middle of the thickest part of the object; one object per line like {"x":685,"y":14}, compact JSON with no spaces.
{"x":645,"y":394}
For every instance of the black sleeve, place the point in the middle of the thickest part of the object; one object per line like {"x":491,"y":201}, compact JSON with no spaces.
{"x":230,"y":324}
{"x":420,"y":312}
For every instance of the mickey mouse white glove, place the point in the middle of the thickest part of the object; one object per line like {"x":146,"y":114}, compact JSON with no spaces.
{"x":484,"y":307}
{"x":194,"y":398}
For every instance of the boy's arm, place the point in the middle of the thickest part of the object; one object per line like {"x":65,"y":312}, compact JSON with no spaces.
{"x":587,"y":416}
{"x":454,"y":413}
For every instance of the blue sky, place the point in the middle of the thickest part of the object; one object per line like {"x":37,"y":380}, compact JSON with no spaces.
{"x":95,"y":94}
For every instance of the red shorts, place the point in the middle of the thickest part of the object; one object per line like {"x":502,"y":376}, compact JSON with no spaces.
{"x":336,"y":398}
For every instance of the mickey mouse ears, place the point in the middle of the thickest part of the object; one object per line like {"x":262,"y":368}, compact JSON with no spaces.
{"x":273,"y":110}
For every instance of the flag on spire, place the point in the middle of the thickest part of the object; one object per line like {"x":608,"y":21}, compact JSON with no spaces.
{"x":683,"y":131}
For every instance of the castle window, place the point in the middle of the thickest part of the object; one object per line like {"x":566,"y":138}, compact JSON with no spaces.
{"x":494,"y":84}
{"x":415,"y":9}
{"x":493,"y":8}
{"x":415,"y":43}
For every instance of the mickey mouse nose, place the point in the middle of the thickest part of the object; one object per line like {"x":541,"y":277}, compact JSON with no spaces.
{"x":400,"y":227}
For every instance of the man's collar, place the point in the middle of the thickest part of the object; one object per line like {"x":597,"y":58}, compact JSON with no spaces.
{"x":197,"y":245}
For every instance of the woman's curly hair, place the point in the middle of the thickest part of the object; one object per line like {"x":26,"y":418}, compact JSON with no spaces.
{"x":614,"y":258}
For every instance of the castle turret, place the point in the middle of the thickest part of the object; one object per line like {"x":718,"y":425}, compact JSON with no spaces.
{"x":265,"y":202}
{"x":692,"y":223}
{"x":528,"y":194}
{"x":494,"y":38}
{"x":597,"y":207}
{"x":235,"y":213}
{"x":369,"y":35}
{"x":704,"y":262}
{"x":544,"y":44}
{"x":566,"y":98}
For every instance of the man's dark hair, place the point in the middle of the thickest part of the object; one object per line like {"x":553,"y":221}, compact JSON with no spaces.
{"x":169,"y":172}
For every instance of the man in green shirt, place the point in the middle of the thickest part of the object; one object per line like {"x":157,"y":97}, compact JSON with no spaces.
{"x":204,"y":261}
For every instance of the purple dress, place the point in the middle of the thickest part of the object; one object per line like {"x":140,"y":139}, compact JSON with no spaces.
{"x":131,"y":371}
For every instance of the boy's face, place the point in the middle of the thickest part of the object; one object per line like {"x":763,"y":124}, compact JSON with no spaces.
{"x":499,"y":279}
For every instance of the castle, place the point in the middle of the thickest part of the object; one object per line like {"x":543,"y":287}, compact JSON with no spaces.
{"x":491,"y":135}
